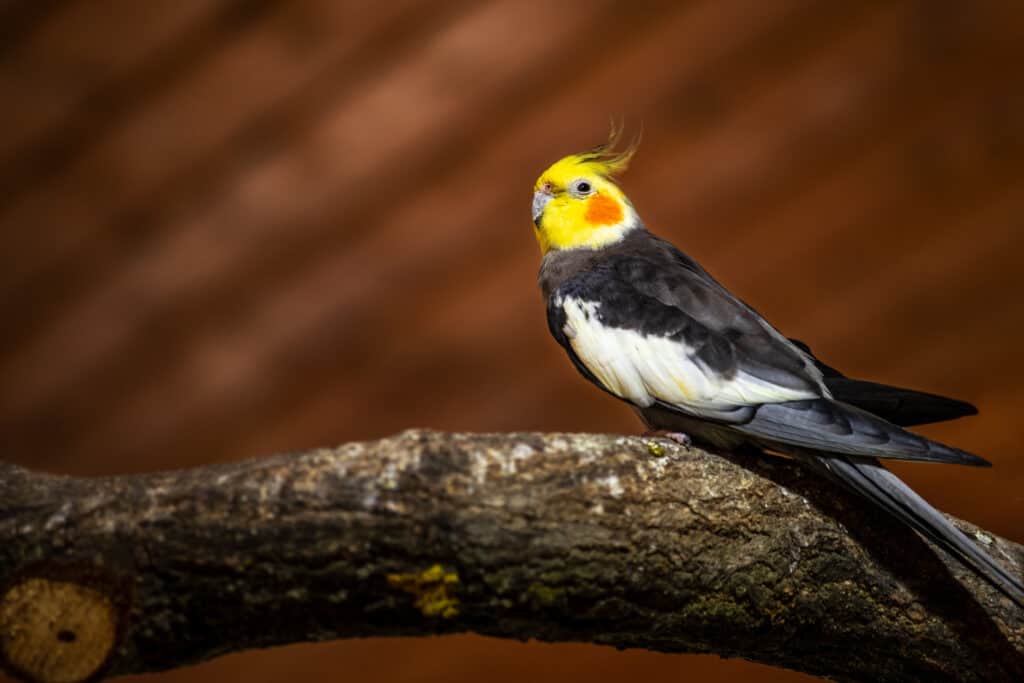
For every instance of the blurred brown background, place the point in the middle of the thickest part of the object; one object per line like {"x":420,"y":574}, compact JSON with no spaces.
{"x":235,"y":228}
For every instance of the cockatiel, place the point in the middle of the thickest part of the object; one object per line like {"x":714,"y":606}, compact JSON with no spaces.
{"x":647,"y":324}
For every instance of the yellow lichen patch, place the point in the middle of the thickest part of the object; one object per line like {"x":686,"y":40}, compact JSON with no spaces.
{"x":56,"y":630}
{"x":545,"y":596}
{"x":655,"y":448}
{"x":433,"y":589}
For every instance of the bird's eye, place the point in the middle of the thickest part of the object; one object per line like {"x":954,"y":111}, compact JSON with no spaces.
{"x":582,"y":187}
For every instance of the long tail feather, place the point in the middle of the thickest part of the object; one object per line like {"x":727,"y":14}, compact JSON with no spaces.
{"x":871,"y":480}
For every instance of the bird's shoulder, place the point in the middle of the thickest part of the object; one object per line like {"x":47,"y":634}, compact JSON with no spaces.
{"x":645,"y":281}
{"x":648,"y":285}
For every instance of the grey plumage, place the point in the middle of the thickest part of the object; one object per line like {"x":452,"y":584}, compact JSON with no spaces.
{"x":645,"y":323}
{"x":835,"y":427}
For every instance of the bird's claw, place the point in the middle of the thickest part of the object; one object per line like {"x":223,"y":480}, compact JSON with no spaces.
{"x":680,"y":438}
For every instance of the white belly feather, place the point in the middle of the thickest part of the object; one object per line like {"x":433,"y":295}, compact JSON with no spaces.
{"x":643,"y":368}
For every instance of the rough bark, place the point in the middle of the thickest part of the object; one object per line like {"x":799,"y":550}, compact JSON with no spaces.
{"x":625,"y":541}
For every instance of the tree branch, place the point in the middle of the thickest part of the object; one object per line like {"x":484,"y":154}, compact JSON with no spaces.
{"x":625,"y":541}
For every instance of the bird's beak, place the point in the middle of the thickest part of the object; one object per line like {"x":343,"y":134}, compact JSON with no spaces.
{"x":540,"y":200}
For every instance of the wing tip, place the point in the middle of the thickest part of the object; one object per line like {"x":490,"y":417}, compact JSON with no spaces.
{"x":967,"y":409}
{"x":969,"y":459}
{"x":953,"y":455}
{"x":950,"y":408}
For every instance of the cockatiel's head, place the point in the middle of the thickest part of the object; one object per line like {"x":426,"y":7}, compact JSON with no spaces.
{"x":576,"y":204}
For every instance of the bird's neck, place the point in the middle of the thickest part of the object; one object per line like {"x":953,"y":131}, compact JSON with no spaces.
{"x":559,"y":265}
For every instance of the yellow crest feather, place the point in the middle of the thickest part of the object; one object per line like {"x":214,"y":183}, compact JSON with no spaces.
{"x":604,"y":160}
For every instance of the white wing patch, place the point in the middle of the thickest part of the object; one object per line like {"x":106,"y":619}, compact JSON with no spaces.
{"x":643,"y":368}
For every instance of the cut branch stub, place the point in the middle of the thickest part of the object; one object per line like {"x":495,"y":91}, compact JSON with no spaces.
{"x":56,"y":631}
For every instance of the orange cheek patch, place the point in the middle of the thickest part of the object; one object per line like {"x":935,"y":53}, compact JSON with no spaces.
{"x":602,"y":210}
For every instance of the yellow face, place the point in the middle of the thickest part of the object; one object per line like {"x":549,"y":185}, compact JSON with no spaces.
{"x":576,"y":205}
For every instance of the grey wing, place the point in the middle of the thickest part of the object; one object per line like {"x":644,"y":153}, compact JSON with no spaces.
{"x":900,"y":406}
{"x":831,"y":427}
{"x":646,"y":351}
{"x":813,"y":421}
{"x":672,"y":278}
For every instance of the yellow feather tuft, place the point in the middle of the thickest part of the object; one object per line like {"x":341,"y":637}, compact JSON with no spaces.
{"x":604,"y":160}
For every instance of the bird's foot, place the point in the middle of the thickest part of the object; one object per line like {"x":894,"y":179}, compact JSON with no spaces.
{"x":680,"y":438}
